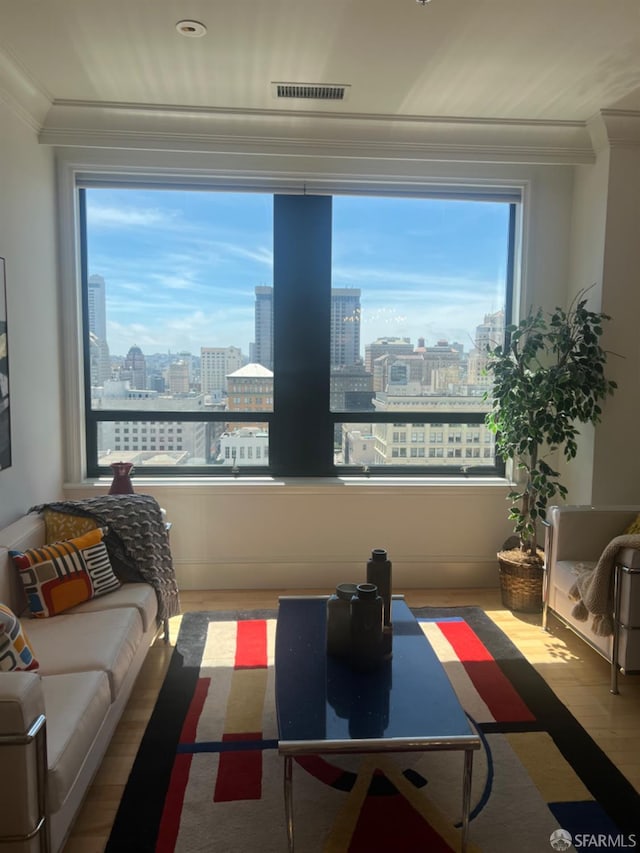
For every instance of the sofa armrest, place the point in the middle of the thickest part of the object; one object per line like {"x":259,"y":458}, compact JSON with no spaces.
{"x":583,"y":532}
{"x":23,"y":748}
{"x":21,"y":701}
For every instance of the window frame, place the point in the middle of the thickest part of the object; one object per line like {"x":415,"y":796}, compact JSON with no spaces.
{"x":292,"y":454}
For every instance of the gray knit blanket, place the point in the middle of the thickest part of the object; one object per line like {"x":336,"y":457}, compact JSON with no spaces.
{"x":593,"y":589}
{"x":136,"y":541}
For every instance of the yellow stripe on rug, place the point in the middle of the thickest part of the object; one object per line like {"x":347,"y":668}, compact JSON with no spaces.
{"x":552,"y":775}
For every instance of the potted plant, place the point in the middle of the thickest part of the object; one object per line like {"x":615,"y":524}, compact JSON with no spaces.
{"x":548,"y":378}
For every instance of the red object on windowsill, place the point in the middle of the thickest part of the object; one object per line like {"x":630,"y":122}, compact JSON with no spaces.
{"x":121,"y":484}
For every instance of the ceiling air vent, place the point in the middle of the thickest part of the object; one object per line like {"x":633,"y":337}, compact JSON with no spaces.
{"x":310,"y":91}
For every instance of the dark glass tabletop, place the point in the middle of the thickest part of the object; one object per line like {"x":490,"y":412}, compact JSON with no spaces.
{"x":323,"y":705}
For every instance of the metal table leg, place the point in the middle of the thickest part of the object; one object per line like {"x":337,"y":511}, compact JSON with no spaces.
{"x":466,"y":797}
{"x":288,"y":799}
{"x":613,"y":688}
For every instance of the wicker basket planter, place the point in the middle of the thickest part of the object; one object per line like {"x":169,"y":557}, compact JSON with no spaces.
{"x":520,"y":584}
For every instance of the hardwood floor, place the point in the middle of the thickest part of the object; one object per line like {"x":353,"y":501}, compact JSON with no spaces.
{"x":578,"y":676}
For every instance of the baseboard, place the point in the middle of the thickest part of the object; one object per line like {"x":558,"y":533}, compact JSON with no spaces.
{"x":438,"y":574}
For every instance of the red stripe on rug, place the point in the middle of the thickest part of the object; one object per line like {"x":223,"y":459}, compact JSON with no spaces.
{"x":494,"y":687}
{"x":251,"y":644}
{"x":190,"y":725}
{"x":397,"y":826}
{"x":173,"y":803}
{"x":239,"y":771}
{"x":320,"y":768}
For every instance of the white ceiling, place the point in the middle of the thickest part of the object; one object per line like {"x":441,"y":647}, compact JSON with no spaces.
{"x":471,"y":71}
{"x":543,"y":60}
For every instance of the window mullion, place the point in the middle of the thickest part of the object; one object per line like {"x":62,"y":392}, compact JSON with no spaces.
{"x":301,"y":438}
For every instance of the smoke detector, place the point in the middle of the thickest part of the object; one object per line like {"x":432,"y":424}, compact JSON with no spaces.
{"x":191,"y":29}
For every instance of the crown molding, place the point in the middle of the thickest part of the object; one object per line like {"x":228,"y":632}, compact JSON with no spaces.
{"x":298,"y":133}
{"x":315,"y":134}
{"x":24,"y":97}
{"x":619,"y":128}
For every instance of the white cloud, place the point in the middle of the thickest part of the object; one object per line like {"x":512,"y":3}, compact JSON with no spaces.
{"x":116,"y":217}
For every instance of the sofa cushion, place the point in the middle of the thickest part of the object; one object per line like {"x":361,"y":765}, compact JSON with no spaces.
{"x":80,"y":642}
{"x":64,"y":525}
{"x":63,"y":574}
{"x":565,"y":574}
{"x":75,"y":706}
{"x":139,"y":595}
{"x":15,"y":649}
{"x":563,"y":606}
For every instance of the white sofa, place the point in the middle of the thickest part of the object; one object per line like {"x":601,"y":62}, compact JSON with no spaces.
{"x":67,"y":711}
{"x":579,"y":535}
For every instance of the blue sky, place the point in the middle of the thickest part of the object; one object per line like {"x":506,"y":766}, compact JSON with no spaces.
{"x":181,"y":267}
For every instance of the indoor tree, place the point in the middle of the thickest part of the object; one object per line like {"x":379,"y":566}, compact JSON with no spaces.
{"x":548,"y":378}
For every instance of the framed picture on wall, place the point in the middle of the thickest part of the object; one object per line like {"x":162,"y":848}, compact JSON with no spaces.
{"x":5,"y":416}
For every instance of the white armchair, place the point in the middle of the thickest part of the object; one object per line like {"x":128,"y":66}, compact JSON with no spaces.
{"x":579,"y":539}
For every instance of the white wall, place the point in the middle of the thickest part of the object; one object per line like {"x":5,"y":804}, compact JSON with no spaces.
{"x":316,"y":534}
{"x":586,"y":258}
{"x":27,"y":242}
{"x":616,"y":469}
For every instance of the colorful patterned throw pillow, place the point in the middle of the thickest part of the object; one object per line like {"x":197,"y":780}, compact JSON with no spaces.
{"x":64,"y":525}
{"x":63,"y":574}
{"x":16,"y":651}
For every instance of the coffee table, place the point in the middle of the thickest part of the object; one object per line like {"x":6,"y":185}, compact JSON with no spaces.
{"x":325,"y":707}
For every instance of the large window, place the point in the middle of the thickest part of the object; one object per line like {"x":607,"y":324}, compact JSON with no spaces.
{"x":300,"y":335}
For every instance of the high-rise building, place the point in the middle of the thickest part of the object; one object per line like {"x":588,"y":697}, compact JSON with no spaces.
{"x":134,"y":368}
{"x":188,"y":360}
{"x":398,"y":369}
{"x":250,"y":389}
{"x":100,"y":363}
{"x":345,"y":326}
{"x":216,"y":363}
{"x":385,"y":346}
{"x":489,"y":334}
{"x":432,"y":444}
{"x":178,"y":377}
{"x":96,"y":294}
{"x":442,"y":366}
{"x":176,"y":442}
{"x":263,"y":345}
{"x":351,"y":389}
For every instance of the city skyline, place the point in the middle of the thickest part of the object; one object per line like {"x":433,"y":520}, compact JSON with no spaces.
{"x":181,"y":267}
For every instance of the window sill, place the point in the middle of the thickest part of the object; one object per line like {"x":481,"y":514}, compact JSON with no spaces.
{"x":301,"y":485}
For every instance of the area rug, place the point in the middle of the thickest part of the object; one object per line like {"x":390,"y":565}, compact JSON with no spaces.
{"x":208,"y":776}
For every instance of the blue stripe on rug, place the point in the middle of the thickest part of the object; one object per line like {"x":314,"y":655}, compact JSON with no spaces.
{"x":225,"y":746}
